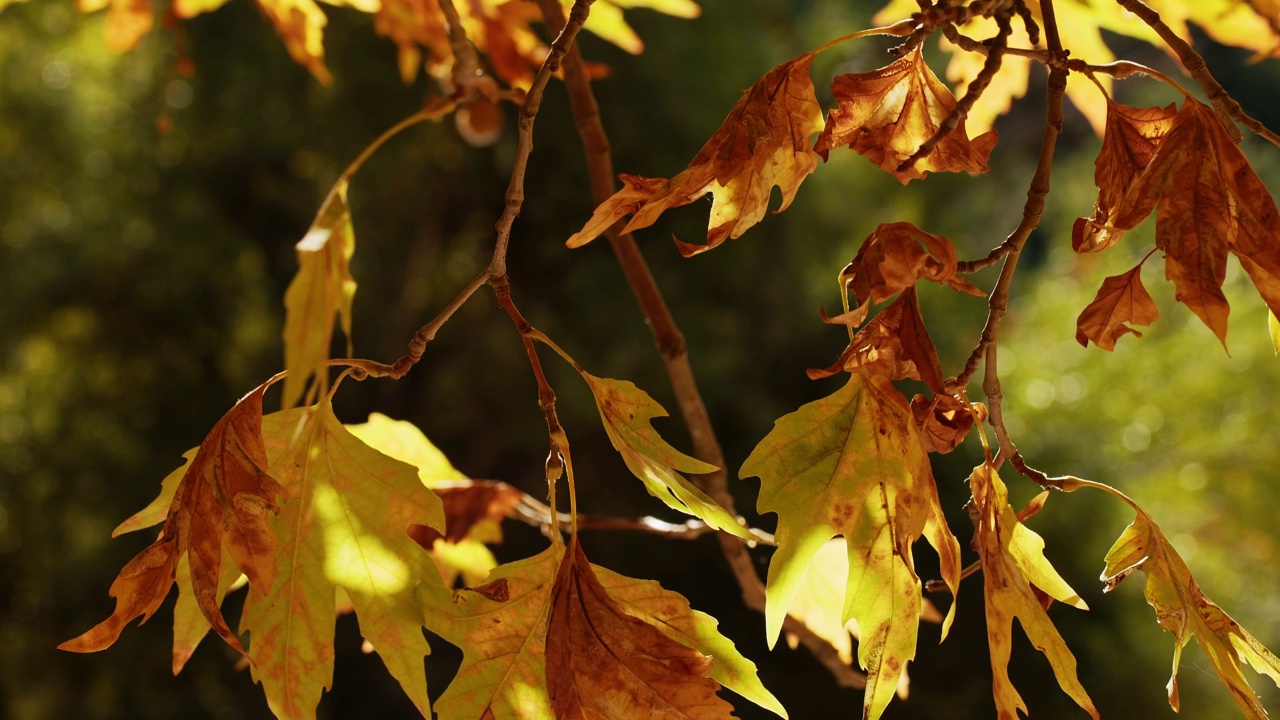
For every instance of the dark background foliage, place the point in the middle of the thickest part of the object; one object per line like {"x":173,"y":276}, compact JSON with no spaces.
{"x":147,"y":223}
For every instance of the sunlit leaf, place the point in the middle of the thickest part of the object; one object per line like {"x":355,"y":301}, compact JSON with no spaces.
{"x":1121,"y":300}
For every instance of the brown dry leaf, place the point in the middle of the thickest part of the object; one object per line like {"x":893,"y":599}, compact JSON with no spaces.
{"x":300,"y":24}
{"x":887,"y":114}
{"x":224,"y":497}
{"x":1209,"y":202}
{"x":762,"y":143}
{"x":943,"y":422}
{"x":470,"y":503}
{"x":604,"y":663}
{"x":1121,"y":300}
{"x":1014,"y":570}
{"x":1182,"y":609}
{"x":897,"y":254}
{"x":1128,"y":144}
{"x":895,"y":345}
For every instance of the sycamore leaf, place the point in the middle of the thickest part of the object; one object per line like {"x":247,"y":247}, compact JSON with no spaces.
{"x":887,"y":114}
{"x":895,"y":255}
{"x":503,"y":642}
{"x":1209,"y":202}
{"x":606,"y":20}
{"x":157,"y":510}
{"x":320,"y":292}
{"x":1128,"y":145}
{"x":603,"y":663}
{"x":300,"y":24}
{"x":225,"y":497}
{"x":1121,"y":300}
{"x":626,"y":412}
{"x":345,"y":528}
{"x":852,"y":464}
{"x":189,"y":623}
{"x":763,"y":142}
{"x":1013,"y":567}
{"x":403,"y":441}
{"x":895,"y":344}
{"x":943,"y":422}
{"x":1182,"y":609}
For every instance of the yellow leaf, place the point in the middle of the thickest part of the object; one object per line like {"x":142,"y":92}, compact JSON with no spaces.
{"x":403,"y":441}
{"x":1013,"y":563}
{"x":300,"y":23}
{"x":321,"y":292}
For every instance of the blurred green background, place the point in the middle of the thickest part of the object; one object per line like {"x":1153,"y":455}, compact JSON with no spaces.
{"x":147,"y":223}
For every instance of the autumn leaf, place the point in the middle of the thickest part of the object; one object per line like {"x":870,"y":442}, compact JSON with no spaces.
{"x":1209,"y":202}
{"x":895,"y":345}
{"x":1013,"y":568}
{"x":887,"y":114}
{"x":1121,"y":300}
{"x":189,"y":623}
{"x":603,"y":663}
{"x":763,"y":142}
{"x":626,"y":412}
{"x":1182,"y":609}
{"x":321,"y":291}
{"x":897,"y":254}
{"x":225,"y":497}
{"x":1128,"y":145}
{"x":943,"y":421}
{"x":345,"y":527}
{"x":852,"y":464}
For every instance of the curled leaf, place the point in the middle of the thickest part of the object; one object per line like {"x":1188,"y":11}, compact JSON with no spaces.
{"x":895,"y":345}
{"x":895,"y":255}
{"x":943,"y":422}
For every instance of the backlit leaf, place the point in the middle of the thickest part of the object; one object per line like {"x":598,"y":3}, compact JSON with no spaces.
{"x":763,"y":142}
{"x":1182,"y":609}
{"x":345,"y":527}
{"x":225,"y":497}
{"x":1121,"y":300}
{"x":887,"y":114}
{"x":626,"y":412}
{"x":320,"y":292}
{"x":943,"y":421}
{"x":895,"y":345}
{"x":897,"y":254}
{"x":852,"y":465}
{"x":1013,"y":567}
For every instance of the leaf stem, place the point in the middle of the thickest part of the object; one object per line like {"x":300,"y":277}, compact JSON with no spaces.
{"x":902,"y":28}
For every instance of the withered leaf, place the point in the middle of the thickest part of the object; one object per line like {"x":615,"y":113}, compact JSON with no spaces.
{"x":887,"y":114}
{"x":852,"y":465}
{"x":894,"y":345}
{"x":1016,"y":575}
{"x":943,"y":422}
{"x":224,"y":498}
{"x":1121,"y":300}
{"x":763,"y":142}
{"x":1184,"y":610}
{"x":897,"y":254}
{"x":604,"y":663}
{"x":1128,"y":144}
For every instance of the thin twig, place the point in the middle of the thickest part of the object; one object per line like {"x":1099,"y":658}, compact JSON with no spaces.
{"x":533,"y":512}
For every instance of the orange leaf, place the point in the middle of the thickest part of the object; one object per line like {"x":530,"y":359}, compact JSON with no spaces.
{"x":1122,"y":299}
{"x":605,"y":663}
{"x":891,"y":259}
{"x":943,"y":422}
{"x":1128,"y":144}
{"x":763,"y":142}
{"x":887,"y":114}
{"x":895,"y":344}
{"x":223,"y":498}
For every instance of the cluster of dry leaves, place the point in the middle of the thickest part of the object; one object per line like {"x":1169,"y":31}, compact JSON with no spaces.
{"x":321,"y":518}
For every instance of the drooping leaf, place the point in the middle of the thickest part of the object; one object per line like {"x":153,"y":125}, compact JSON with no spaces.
{"x":887,"y":114}
{"x":1013,"y":567}
{"x":157,"y":510}
{"x":1128,"y":145}
{"x":895,"y":345}
{"x":1121,"y":300}
{"x":852,"y":464}
{"x":943,"y":421}
{"x":604,"y":663}
{"x":321,"y":292}
{"x":1182,"y":609}
{"x":225,"y":497}
{"x":189,"y":623}
{"x":763,"y":142}
{"x":895,"y":255}
{"x":345,"y":527}
{"x":626,"y":412}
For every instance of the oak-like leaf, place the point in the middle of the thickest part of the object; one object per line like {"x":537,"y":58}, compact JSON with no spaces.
{"x":852,"y":465}
{"x":1128,"y":145}
{"x":763,"y":142}
{"x":887,"y":114}
{"x":224,"y":498}
{"x":1121,"y":300}
{"x":345,"y":528}
{"x":1184,"y":610}
{"x":1013,"y":569}
{"x":320,"y":292}
{"x":603,"y":663}
{"x":626,"y":412}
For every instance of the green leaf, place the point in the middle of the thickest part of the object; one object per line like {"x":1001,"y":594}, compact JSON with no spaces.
{"x":852,"y":464}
